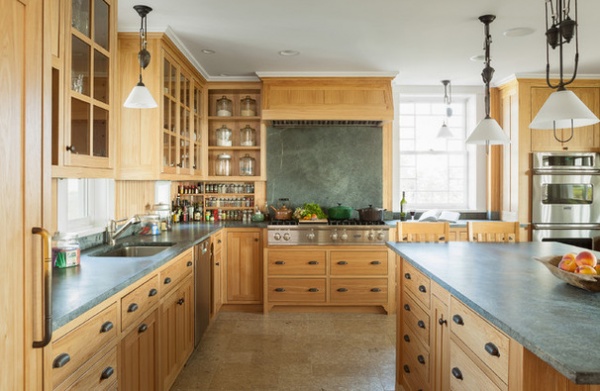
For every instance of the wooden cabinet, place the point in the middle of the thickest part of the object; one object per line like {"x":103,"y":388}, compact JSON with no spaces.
{"x":138,"y":301}
{"x":84,"y":81}
{"x":458,"y":234}
{"x":165,"y":142}
{"x":328,"y":276}
{"x":244,"y":266}
{"x":139,"y":363}
{"x":216,"y":300}
{"x":239,"y":118}
{"x":440,"y":343}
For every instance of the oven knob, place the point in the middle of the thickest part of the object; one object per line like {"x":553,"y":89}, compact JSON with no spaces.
{"x":286,"y":236}
{"x":310,"y":235}
{"x":277,"y":236}
{"x":371,"y":236}
{"x":380,"y":236}
{"x":334,"y":236}
{"x":344,"y":236}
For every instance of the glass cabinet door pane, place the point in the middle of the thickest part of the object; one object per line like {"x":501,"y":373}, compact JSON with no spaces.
{"x":80,"y":16}
{"x":80,"y":67}
{"x":166,"y":77}
{"x":166,"y":138}
{"x":101,"y":77}
{"x":101,"y":23}
{"x":172,"y":151}
{"x":196,"y":101}
{"x":166,"y":111}
{"x":80,"y":127}
{"x":173,"y":81}
{"x":100,"y":132}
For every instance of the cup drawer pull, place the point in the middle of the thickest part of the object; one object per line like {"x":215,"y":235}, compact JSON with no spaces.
{"x":375,"y":263}
{"x":492,"y":349}
{"x":313,"y":262}
{"x":342,"y":290}
{"x":342,"y":263}
{"x":458,"y":320}
{"x":313,"y":289}
{"x":279,"y":262}
{"x":61,"y":360}
{"x":132,"y":307}
{"x":106,"y":373}
{"x":106,"y":327}
{"x":376,"y":290}
{"x":457,"y":373}
{"x":279,"y":289}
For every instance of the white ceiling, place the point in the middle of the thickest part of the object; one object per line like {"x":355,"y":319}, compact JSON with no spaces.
{"x":423,"y":41}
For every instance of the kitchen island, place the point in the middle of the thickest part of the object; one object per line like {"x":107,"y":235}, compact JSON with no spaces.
{"x":504,"y":285}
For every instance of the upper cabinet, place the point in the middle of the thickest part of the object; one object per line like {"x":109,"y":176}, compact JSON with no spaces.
{"x":165,"y":142}
{"x":84,"y":59}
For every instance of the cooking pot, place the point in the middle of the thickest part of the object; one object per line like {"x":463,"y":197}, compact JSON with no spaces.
{"x":283,"y":213}
{"x":340,"y":212}
{"x":371,"y":214}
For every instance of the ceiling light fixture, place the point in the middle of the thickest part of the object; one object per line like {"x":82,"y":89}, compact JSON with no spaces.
{"x":208,"y":51}
{"x":444,"y":131}
{"x":563,"y":109}
{"x":140,"y":97}
{"x":518,"y":32}
{"x":487,"y":131}
{"x":289,"y":53}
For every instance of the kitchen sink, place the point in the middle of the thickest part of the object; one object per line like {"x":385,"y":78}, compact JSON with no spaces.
{"x":135,"y":250}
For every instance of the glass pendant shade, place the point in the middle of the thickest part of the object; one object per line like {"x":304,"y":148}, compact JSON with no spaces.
{"x":488,"y":132}
{"x":444,"y":132}
{"x":140,"y":98}
{"x":562,"y":110}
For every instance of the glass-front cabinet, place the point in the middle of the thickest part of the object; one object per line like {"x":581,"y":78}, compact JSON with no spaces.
{"x":88,"y":107}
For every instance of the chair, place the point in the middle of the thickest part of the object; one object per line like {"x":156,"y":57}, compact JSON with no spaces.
{"x":415,"y":232}
{"x":493,"y":231}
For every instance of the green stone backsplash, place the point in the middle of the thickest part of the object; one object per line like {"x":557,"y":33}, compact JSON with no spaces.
{"x":325,"y":165}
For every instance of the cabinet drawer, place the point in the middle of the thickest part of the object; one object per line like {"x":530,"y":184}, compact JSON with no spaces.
{"x":77,"y":346}
{"x":486,"y":341}
{"x":465,"y":374}
{"x":102,"y":375}
{"x":359,"y":290}
{"x":417,"y":283}
{"x":359,"y":263}
{"x":415,"y":317}
{"x":416,"y":355}
{"x":138,"y":301}
{"x":296,"y":262}
{"x":412,"y":379}
{"x":176,"y":272}
{"x":311,"y":290}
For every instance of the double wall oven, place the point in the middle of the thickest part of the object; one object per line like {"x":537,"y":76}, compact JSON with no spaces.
{"x":566,"y":198}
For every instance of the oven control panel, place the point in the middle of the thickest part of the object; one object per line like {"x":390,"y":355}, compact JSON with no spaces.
{"x":327,"y":235}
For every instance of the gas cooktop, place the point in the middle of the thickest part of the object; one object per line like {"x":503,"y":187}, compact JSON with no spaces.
{"x":334,"y":232}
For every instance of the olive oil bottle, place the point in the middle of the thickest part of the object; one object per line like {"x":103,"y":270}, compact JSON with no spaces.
{"x":403,"y":207}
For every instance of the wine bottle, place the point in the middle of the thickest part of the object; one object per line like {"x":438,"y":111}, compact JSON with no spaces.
{"x":403,"y":207}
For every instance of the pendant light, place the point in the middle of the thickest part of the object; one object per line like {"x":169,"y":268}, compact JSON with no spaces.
{"x":140,"y":97}
{"x":563,"y":109}
{"x":444,"y":131}
{"x":488,"y":131}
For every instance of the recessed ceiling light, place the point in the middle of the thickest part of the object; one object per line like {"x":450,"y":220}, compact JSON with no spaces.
{"x":477,"y":58}
{"x":208,"y":51}
{"x":518,"y":32}
{"x":289,"y":53}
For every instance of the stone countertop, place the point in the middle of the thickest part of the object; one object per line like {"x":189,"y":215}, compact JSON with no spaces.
{"x":503,"y":283}
{"x":78,"y":289}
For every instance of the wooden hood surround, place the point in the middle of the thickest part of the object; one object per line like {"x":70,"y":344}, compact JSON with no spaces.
{"x":327,"y":98}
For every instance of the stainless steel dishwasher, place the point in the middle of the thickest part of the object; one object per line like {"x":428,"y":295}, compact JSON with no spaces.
{"x":203,"y":255}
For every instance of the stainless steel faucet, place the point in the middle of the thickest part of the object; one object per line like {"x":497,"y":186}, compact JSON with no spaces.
{"x":113,"y":230}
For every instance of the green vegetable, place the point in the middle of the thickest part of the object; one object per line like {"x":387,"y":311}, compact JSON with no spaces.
{"x":310,"y":209}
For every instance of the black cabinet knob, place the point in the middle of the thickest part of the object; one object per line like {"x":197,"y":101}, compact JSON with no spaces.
{"x":181,"y":301}
{"x":132,"y":307}
{"x":313,"y":289}
{"x":422,"y":289}
{"x":376,"y":290}
{"x":313,"y":262}
{"x":168,"y":280}
{"x":406,"y":307}
{"x":407,"y":276}
{"x":457,"y":373}
{"x":406,"y":338}
{"x":143,"y":327}
{"x":152,"y":292}
{"x":106,"y":327}
{"x":421,"y":359}
{"x":279,"y":262}
{"x":492,"y":349}
{"x":342,"y":263}
{"x":61,"y":360}
{"x":106,"y":373}
{"x":279,"y":289}
{"x":189,"y":263}
{"x":421,"y":324}
{"x":375,"y":263}
{"x":71,"y":148}
{"x":442,"y":321}
{"x":406,"y":368}
{"x":458,"y":320}
{"x":342,"y":290}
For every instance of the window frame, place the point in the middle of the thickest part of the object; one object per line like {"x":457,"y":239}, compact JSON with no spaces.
{"x":99,"y":201}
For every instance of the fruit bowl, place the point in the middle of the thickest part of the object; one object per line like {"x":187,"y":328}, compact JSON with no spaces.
{"x":584,"y":281}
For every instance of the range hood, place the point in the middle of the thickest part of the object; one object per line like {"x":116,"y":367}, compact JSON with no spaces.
{"x":327,"y":101}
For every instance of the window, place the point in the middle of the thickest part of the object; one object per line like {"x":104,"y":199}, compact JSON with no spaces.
{"x":84,"y":205}
{"x":438,"y":173}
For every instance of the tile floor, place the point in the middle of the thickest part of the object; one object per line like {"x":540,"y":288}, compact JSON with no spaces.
{"x":294,"y":351}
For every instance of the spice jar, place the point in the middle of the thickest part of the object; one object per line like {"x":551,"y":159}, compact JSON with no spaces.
{"x":247,"y":165}
{"x":224,"y":107}
{"x":224,"y":136}
{"x":247,"y":137}
{"x":65,"y":250}
{"x":248,"y":107}
{"x":223,"y":165}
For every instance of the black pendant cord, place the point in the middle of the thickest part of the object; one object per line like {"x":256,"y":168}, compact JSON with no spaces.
{"x":557,"y":34}
{"x":488,"y":71}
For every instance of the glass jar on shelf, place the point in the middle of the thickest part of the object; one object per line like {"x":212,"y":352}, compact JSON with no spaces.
{"x":224,"y":107}
{"x":247,"y":137}
{"x":223,"y":165}
{"x":247,"y":165}
{"x":248,"y":107}
{"x":224,"y":136}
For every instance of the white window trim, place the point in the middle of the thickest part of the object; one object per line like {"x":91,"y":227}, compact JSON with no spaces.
{"x":477,"y":94}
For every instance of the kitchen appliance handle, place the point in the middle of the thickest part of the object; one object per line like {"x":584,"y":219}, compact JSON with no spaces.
{"x":566,"y":226}
{"x":576,"y":171}
{"x":47,"y":299}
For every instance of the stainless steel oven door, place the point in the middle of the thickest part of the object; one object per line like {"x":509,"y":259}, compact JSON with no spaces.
{"x":586,"y":237}
{"x":565,"y":199}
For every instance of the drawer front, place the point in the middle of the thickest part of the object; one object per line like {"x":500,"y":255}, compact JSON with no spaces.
{"x":305,"y":290}
{"x":465,"y":374}
{"x":359,"y":290}
{"x":412,"y":379}
{"x":369,"y":263}
{"x":296,"y":263}
{"x":102,"y":375}
{"x":416,"y":355}
{"x":176,"y":272}
{"x":486,"y":341}
{"x":415,"y":317}
{"x":79,"y":345}
{"x":138,"y":301}
{"x":417,"y":283}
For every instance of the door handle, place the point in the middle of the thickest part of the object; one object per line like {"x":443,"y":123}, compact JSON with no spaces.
{"x":47,"y":299}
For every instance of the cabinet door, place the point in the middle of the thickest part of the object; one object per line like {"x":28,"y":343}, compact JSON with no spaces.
{"x":23,"y":166}
{"x":176,"y":331}
{"x":217,"y":279}
{"x":440,"y":345}
{"x":139,"y":357}
{"x":244,"y":267}
{"x":584,"y":138}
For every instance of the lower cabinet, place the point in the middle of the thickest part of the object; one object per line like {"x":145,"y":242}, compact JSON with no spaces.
{"x":244,"y":266}
{"x":139,"y":356}
{"x":217,"y":266}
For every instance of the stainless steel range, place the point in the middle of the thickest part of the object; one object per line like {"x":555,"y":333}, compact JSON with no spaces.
{"x":347,"y":233}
